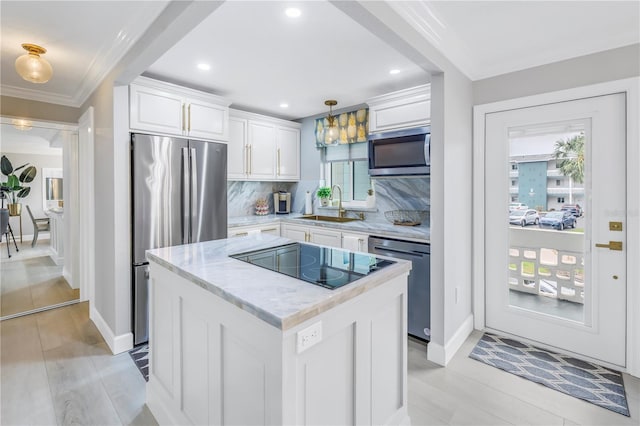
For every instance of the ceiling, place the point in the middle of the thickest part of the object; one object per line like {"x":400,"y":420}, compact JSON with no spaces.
{"x":259,"y":58}
{"x":34,"y":138}
{"x":84,"y":39}
{"x":488,"y":38}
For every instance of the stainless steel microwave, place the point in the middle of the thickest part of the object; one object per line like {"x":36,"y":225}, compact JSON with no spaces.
{"x":400,"y":153}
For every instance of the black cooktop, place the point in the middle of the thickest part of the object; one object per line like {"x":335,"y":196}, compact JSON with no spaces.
{"x":324,"y":266}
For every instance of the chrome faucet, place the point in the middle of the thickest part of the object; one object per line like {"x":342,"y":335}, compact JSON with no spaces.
{"x":341,"y":211}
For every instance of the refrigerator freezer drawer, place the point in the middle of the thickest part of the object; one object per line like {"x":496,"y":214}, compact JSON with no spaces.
{"x":140,"y":304}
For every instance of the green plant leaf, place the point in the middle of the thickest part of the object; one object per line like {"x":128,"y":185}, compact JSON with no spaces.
{"x":13,"y":183}
{"x":28,"y":174}
{"x":5,"y":166}
{"x":23,"y":192}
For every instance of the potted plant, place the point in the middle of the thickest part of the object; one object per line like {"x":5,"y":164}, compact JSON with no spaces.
{"x":324,"y":193}
{"x":14,"y":186}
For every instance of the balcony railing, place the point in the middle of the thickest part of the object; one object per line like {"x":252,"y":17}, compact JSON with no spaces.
{"x":547,"y":263}
{"x":560,"y":190}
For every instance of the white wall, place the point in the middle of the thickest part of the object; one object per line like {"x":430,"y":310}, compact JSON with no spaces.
{"x":451,"y":178}
{"x":609,"y":65}
{"x":34,"y":200}
{"x":112,"y":294}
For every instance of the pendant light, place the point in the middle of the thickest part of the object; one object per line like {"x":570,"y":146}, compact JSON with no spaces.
{"x":332,"y":132}
{"x":31,"y":66}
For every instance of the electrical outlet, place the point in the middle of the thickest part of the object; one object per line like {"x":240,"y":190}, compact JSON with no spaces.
{"x":309,"y":336}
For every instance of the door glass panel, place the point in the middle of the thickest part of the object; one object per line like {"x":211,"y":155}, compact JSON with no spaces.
{"x":547,"y":194}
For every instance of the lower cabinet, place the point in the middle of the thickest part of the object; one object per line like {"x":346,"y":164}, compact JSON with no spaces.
{"x":354,"y":241}
{"x":243,"y":231}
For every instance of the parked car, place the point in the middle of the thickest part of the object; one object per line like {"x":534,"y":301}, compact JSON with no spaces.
{"x":575,"y":209}
{"x":517,"y":206}
{"x":524,"y":217}
{"x":558,"y":220}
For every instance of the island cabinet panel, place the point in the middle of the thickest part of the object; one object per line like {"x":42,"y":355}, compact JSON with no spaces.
{"x":327,"y":380}
{"x":219,"y":362}
{"x":243,"y":382}
{"x":195,"y":363}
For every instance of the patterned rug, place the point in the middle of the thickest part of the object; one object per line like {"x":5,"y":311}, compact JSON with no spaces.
{"x":580,"y":379}
{"x":140,"y":355}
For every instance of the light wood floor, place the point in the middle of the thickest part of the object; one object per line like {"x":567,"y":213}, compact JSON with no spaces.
{"x":56,"y":369}
{"x":30,"y":280}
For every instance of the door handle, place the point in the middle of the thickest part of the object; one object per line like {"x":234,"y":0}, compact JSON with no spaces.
{"x":189,"y":114}
{"x":278,"y":162}
{"x":184,"y":118}
{"x":186,"y":195}
{"x":613,"y":245}
{"x":193,"y":209}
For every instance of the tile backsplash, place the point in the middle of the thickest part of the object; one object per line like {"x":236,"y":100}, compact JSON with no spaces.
{"x":398,"y":193}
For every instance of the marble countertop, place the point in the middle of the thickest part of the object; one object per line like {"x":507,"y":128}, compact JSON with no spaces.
{"x":277,"y":299}
{"x":419,"y":233}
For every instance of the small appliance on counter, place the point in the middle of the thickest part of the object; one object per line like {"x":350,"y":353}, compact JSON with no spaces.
{"x":282,"y":202}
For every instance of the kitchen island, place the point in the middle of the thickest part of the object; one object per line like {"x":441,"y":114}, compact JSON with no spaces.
{"x":235,"y":343}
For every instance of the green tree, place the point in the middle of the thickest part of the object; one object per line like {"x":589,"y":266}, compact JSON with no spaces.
{"x":569,"y":155}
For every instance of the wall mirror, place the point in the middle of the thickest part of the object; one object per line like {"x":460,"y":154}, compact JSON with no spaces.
{"x":36,"y":257}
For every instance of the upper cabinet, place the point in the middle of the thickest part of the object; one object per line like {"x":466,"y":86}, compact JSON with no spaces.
{"x":159,"y":107}
{"x":403,"y":109}
{"x":263,"y":148}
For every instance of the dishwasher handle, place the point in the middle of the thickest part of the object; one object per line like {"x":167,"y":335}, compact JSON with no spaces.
{"x":382,"y":250}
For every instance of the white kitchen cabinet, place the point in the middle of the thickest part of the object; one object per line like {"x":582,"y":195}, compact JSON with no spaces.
{"x":403,"y":109}
{"x":164,"y":108}
{"x":237,"y":166}
{"x":325,"y":236}
{"x":295,"y":232}
{"x":287,"y":153}
{"x":263,"y":148}
{"x":355,"y":241}
{"x":267,"y":228}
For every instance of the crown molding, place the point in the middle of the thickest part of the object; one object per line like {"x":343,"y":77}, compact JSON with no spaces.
{"x":37,"y":95}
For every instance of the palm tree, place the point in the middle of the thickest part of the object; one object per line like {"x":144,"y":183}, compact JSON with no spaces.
{"x":569,"y":156}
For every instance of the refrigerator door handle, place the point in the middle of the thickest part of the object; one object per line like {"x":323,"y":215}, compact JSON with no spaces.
{"x":194,"y":195}
{"x":186,"y":196}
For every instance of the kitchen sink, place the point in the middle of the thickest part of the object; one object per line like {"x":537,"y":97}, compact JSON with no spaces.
{"x":329,"y":218}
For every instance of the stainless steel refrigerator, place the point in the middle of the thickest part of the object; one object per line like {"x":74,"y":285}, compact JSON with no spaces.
{"x":179,"y":196}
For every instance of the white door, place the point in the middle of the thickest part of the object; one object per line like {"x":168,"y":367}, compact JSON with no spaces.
{"x":558,"y":285}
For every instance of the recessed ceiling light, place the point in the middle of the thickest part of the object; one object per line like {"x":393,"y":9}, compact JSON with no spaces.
{"x":293,"y":12}
{"x":394,"y":71}
{"x":284,"y":105}
{"x":204,"y":67}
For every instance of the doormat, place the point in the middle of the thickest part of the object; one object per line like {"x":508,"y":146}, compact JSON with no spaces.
{"x":140,"y":355}
{"x":575,"y":377}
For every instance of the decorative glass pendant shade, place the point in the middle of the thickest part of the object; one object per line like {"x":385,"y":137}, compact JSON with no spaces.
{"x":332,"y":133}
{"x":32,"y":67}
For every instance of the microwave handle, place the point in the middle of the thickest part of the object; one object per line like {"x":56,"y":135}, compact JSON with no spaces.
{"x":427,"y":149}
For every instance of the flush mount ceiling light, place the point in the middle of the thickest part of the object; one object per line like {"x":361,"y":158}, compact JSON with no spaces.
{"x":331,"y":133}
{"x":394,"y":71}
{"x":284,"y":105}
{"x":20,"y":124}
{"x":204,"y":67}
{"x":31,"y":66}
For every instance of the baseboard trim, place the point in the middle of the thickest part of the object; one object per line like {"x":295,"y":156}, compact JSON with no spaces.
{"x":442,"y":355}
{"x":117,"y":344}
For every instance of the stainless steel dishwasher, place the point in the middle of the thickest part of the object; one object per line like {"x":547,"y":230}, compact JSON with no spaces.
{"x":419,"y":293}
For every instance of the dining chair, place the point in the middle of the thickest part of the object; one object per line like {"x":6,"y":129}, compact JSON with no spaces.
{"x":39,"y":224}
